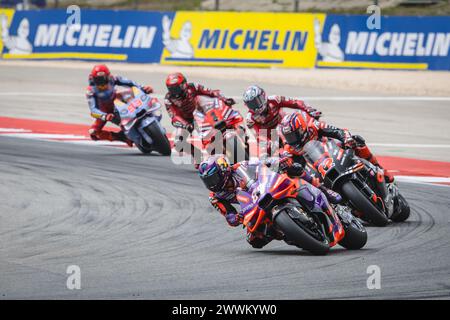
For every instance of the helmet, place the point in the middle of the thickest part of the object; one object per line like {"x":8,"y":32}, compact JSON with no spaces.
{"x":215,"y":172}
{"x":293,"y":130}
{"x":100,"y":77}
{"x":176,"y":84}
{"x":255,"y":99}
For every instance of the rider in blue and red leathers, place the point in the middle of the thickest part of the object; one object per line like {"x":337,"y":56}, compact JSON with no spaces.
{"x":101,"y":94}
{"x":223,"y":180}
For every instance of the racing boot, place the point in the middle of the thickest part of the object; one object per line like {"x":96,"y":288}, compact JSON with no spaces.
{"x":120,"y":136}
{"x":257,"y":241}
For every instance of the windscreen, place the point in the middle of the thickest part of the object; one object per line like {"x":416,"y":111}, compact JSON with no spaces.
{"x":313,"y":151}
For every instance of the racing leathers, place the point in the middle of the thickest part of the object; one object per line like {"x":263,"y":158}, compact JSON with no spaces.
{"x":101,"y":105}
{"x":181,"y":109}
{"x":224,"y":199}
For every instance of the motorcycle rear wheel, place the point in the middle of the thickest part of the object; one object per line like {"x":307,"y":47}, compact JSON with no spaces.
{"x":362,"y":204}
{"x":295,"y":234}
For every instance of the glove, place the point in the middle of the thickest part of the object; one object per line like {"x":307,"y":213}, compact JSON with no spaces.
{"x":316,"y":114}
{"x":332,"y":196}
{"x":230,"y":101}
{"x":350,"y":143}
{"x":233,"y":219}
{"x":108,"y":117}
{"x":284,"y":164}
{"x":189,"y":127}
{"x":147,"y":89}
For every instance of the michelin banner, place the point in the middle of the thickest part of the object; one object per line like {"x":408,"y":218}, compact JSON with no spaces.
{"x":237,"y":39}
{"x":305,"y":41}
{"x":99,"y":35}
{"x":240,"y":39}
{"x":399,"y":43}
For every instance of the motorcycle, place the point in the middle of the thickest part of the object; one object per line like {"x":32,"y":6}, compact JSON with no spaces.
{"x":297,"y":210}
{"x":140,"y":121}
{"x":360,"y":183}
{"x":220,"y":128}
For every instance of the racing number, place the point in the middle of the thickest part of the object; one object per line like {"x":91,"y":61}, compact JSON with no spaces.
{"x":325,"y":166}
{"x":134,"y":105}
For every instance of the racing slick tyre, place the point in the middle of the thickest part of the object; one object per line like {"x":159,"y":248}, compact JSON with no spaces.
{"x":362,"y":204}
{"x":355,"y":235}
{"x":404,"y":210}
{"x":144,"y":148}
{"x":298,"y":236}
{"x":160,"y":141}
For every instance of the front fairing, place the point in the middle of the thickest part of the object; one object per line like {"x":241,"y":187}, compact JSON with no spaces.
{"x":268,"y":185}
{"x":213,"y":115}
{"x":135,"y":107}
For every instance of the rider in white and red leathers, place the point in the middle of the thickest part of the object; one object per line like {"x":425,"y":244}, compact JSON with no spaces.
{"x":266,"y":112}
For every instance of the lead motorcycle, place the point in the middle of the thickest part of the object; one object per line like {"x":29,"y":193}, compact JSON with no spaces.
{"x":140,"y":121}
{"x":296,"y":209}
{"x":360,"y":183}
{"x":221,"y":128}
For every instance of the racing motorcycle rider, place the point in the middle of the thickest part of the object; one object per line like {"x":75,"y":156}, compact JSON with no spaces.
{"x":298,"y":128}
{"x":222,"y":180}
{"x":180,"y":104}
{"x":265,"y":112}
{"x":100,"y":95}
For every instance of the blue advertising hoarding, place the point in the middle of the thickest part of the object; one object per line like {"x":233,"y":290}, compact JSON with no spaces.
{"x":400,"y":43}
{"x":100,"y":34}
{"x":332,"y":41}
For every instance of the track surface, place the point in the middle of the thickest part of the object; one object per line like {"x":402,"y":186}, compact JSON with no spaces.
{"x":141,"y":227}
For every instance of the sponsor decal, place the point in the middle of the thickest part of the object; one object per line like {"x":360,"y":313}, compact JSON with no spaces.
{"x":400,"y":43}
{"x":239,"y":39}
{"x":99,"y":34}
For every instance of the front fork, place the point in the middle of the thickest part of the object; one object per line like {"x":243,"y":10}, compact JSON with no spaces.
{"x":316,"y":202}
{"x":387,"y":193}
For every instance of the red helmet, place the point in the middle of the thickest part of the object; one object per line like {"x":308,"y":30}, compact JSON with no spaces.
{"x":293,"y":130}
{"x":176,"y":84}
{"x":100,"y":76}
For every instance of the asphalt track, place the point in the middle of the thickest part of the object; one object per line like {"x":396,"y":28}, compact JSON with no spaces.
{"x":141,"y":227}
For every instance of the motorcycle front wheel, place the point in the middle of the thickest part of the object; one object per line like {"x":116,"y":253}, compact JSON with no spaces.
{"x":362,"y":204}
{"x":297,"y":235}
{"x":355,"y":235}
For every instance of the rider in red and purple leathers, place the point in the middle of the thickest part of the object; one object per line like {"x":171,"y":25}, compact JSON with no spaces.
{"x":298,"y":128}
{"x":223,"y":180}
{"x":100,"y":95}
{"x":180,"y":104}
{"x":266,"y":112}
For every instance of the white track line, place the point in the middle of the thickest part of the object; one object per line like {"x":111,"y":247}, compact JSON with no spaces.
{"x":312,"y":98}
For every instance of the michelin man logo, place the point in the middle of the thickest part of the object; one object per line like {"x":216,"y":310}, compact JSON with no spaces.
{"x":18,"y":44}
{"x":181,"y":47}
{"x":330,"y":51}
